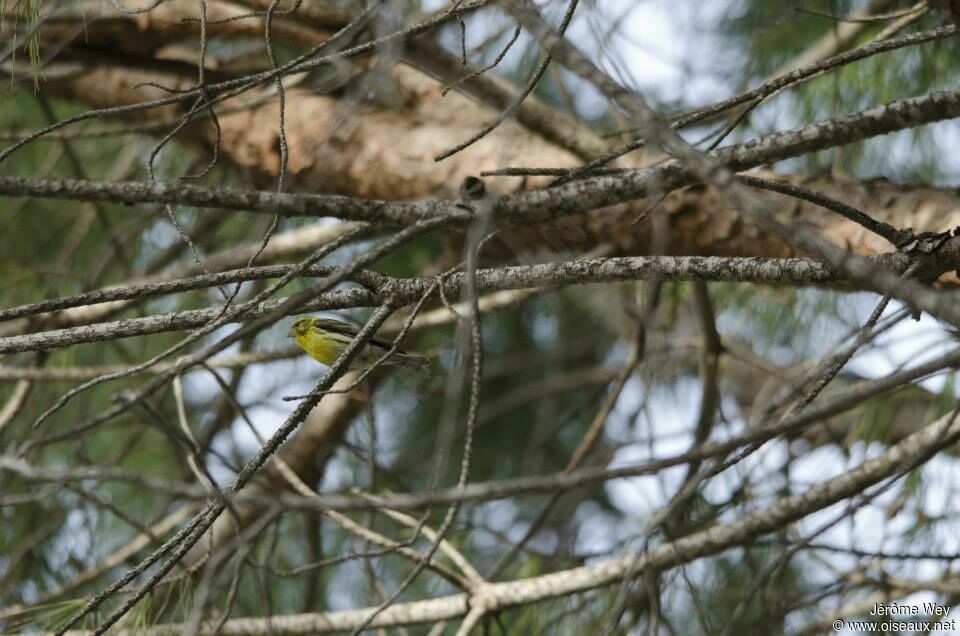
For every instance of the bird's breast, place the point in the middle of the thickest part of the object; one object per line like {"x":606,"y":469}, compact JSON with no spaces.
{"x":320,"y":349}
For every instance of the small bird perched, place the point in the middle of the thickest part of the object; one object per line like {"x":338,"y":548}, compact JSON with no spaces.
{"x":324,"y":340}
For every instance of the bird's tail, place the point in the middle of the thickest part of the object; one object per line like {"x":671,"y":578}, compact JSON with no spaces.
{"x":412,"y":362}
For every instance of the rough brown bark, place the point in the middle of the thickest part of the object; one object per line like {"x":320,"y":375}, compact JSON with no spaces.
{"x":385,"y":149}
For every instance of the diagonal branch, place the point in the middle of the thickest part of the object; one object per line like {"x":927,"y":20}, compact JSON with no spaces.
{"x":492,"y":597}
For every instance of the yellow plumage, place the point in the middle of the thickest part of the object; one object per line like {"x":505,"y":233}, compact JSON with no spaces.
{"x":324,"y":340}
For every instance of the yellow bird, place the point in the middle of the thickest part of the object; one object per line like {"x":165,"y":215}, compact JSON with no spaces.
{"x":324,"y":340}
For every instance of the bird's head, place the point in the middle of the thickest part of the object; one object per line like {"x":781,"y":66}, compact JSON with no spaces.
{"x":300,"y":327}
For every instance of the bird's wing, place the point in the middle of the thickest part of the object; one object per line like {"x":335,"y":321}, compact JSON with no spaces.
{"x":350,"y":330}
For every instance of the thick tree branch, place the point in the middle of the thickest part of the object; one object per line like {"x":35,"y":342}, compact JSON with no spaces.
{"x":406,"y":291}
{"x":527,"y":207}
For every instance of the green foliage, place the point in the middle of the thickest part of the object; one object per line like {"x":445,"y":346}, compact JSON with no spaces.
{"x":773,"y":34}
{"x":46,"y":615}
{"x":24,"y":32}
